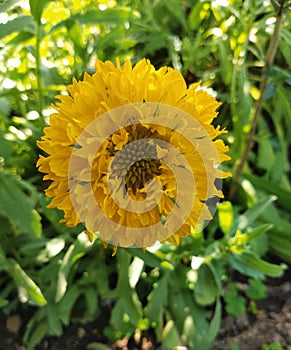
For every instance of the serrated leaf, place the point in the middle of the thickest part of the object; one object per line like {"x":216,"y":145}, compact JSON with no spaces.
{"x":256,"y":289}
{"x":235,"y":304}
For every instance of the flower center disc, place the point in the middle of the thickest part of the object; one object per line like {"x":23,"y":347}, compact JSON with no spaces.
{"x":138,"y":172}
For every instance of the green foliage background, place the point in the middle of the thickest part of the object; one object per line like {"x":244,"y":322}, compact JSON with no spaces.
{"x":176,"y":292}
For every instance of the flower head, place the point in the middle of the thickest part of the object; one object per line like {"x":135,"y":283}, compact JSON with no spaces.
{"x":132,"y":154}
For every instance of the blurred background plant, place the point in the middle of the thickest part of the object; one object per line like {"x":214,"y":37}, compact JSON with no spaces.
{"x":178,"y":293}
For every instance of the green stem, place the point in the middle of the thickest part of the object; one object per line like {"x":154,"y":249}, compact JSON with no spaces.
{"x":38,"y":70}
{"x":270,"y":56}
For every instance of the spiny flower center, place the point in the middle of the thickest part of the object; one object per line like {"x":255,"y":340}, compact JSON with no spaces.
{"x":138,"y":172}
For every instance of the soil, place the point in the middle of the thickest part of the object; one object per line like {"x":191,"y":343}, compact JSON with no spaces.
{"x":270,"y":323}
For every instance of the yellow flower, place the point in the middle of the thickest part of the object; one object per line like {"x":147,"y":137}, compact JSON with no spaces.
{"x":132,"y":154}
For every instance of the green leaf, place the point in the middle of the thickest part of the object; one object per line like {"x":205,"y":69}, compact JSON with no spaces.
{"x":7,"y":4}
{"x":158,"y":298}
{"x":28,"y":290}
{"x":178,"y":12}
{"x":36,"y":8}
{"x":257,"y":232}
{"x":15,"y":205}
{"x":266,"y":155}
{"x":74,"y":253}
{"x":251,"y":265}
{"x":149,"y":258}
{"x":249,"y":216}
{"x":256,"y":289}
{"x":3,"y":302}
{"x":55,"y":325}
{"x":215,"y":322}
{"x":281,"y":246}
{"x":5,"y":108}
{"x":20,"y":38}
{"x":283,"y":195}
{"x":235,"y":304}
{"x":170,"y":336}
{"x":5,"y":146}
{"x":113,"y":16}
{"x":92,"y":304}
{"x":206,"y":290}
{"x":18,"y":23}
{"x":67,"y":303}
{"x":35,"y":332}
{"x":194,"y":18}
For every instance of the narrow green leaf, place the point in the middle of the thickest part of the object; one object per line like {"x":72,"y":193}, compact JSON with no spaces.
{"x":271,"y":187}
{"x":249,"y":216}
{"x":7,"y":4}
{"x":281,"y":246}
{"x":37,"y":334}
{"x":158,"y":298}
{"x":67,"y":303}
{"x":251,"y":265}
{"x":74,"y":253}
{"x":15,"y":25}
{"x":20,"y":38}
{"x":170,"y":336}
{"x":215,"y":322}
{"x":257,"y":232}
{"x":113,"y":16}
{"x":28,"y":290}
